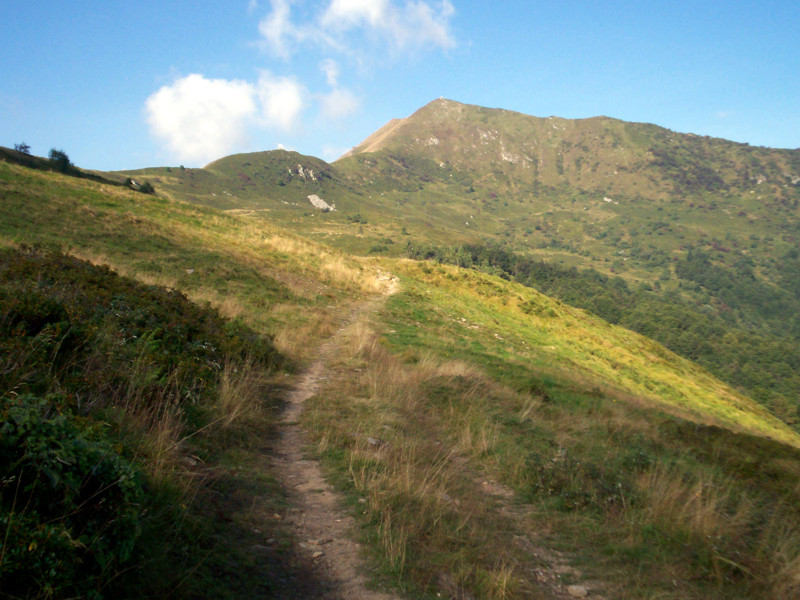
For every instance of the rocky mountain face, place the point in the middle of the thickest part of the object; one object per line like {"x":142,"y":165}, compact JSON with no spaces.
{"x":595,"y":154}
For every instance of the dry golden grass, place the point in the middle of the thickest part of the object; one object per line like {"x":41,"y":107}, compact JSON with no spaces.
{"x":728,"y":527}
{"x":414,"y":485}
{"x":297,"y":339}
{"x":783,"y":546}
{"x":500,"y":582}
{"x":703,"y":509}
{"x":416,"y":430}
{"x":240,"y":388}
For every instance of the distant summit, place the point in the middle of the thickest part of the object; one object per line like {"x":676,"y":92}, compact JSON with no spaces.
{"x":593,"y":154}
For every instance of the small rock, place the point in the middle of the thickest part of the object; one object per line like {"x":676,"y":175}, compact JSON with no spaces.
{"x":189,"y":461}
{"x":577,"y":591}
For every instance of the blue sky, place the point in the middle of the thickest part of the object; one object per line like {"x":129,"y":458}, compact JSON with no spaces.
{"x":121,"y":85}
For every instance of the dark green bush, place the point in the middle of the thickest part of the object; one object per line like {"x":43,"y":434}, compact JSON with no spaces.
{"x":60,"y":161}
{"x":147,"y":188}
{"x":82,"y":349}
{"x":65,"y":323}
{"x":69,"y":503}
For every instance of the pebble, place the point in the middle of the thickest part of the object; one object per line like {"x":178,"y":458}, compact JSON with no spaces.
{"x":577,"y":591}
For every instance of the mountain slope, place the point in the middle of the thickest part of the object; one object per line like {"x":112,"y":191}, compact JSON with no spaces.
{"x":259,"y":180}
{"x":172,"y":239}
{"x":475,"y":426}
{"x":707,"y":226}
{"x":597,"y":192}
{"x":594,"y":154}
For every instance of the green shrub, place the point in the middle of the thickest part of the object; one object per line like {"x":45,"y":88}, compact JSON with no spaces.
{"x":147,"y":188}
{"x":69,"y":503}
{"x":60,"y":161}
{"x":101,"y":378}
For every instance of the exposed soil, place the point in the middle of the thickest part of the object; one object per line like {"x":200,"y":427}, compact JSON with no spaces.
{"x":323,"y":529}
{"x":315,"y":555}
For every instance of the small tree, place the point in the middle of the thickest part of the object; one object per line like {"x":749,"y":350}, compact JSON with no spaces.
{"x":23,"y":147}
{"x":60,"y":160}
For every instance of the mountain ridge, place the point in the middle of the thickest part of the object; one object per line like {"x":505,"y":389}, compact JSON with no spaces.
{"x":554,"y":149}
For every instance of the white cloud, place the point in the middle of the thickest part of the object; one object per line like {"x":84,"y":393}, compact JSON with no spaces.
{"x":402,"y":24}
{"x":282,"y":100}
{"x":410,"y":24}
{"x":277,"y":29}
{"x":339,"y":104}
{"x":421,"y":25}
{"x":347,"y":13}
{"x":200,"y":119}
{"x":331,"y":69}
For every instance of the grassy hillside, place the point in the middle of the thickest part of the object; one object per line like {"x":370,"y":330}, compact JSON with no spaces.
{"x":688,"y":239}
{"x":763,"y":364}
{"x":618,"y":196}
{"x":249,"y":269}
{"x":182,"y":393}
{"x":700,"y":231}
{"x":595,"y":154}
{"x":260,"y":180}
{"x":104,"y":385}
{"x":485,"y":435}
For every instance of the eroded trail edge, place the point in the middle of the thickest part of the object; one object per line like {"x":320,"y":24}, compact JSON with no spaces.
{"x":323,"y":529}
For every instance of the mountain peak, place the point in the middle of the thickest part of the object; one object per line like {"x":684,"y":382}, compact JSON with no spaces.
{"x":440,"y":109}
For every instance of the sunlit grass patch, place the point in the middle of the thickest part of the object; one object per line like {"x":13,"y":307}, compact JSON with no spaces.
{"x":580,"y":448}
{"x":474,"y":314}
{"x":397,"y":461}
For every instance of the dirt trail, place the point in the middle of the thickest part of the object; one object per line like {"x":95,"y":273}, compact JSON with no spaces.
{"x":321,"y":527}
{"x":324,"y":530}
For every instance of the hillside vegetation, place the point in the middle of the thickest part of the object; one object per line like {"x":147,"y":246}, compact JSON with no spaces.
{"x":700,"y":231}
{"x":765,"y":365}
{"x":484,"y":433}
{"x":490,"y":440}
{"x":177,"y":397}
{"x":103,"y":379}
